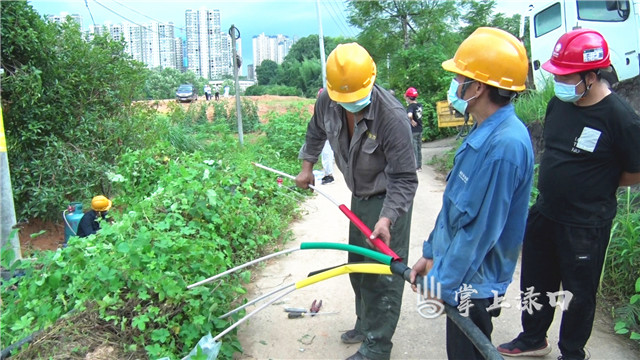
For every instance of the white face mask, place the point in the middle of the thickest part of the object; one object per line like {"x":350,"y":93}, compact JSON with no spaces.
{"x":356,"y":106}
{"x":567,"y":92}
{"x":452,"y":95}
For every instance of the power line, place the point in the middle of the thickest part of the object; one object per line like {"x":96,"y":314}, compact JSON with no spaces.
{"x":124,"y":17}
{"x":90,"y":14}
{"x":342,"y":17}
{"x":339,"y":15}
{"x":333,"y":18}
{"x":148,"y":17}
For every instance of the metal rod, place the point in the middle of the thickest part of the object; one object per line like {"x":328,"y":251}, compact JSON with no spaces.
{"x":227,"y":330}
{"x":377,"y":242}
{"x":241,"y":267}
{"x":256,"y":300}
{"x":313,"y":187}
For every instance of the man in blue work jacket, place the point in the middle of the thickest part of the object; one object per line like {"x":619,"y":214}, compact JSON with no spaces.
{"x":472,"y":251}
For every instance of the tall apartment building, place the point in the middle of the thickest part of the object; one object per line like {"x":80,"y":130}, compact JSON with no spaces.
{"x":62,"y":18}
{"x":208,"y":47}
{"x":273,"y":48}
{"x":152,"y":44}
{"x":178,"y":45}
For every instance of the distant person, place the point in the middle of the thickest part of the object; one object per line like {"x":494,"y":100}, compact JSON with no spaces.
{"x":327,"y":158}
{"x":89,"y":224}
{"x":472,"y":251}
{"x":217,"y":94}
{"x":414,"y":112}
{"x":591,"y":147}
{"x":369,"y":132}
{"x":207,"y":92}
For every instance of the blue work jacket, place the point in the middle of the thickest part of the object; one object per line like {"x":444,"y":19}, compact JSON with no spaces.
{"x":479,"y":230}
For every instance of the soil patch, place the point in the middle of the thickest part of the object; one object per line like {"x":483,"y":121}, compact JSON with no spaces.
{"x":41,"y":235}
{"x":266,"y":104}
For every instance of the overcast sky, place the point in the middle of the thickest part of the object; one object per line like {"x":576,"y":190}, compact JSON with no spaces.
{"x":252,"y":17}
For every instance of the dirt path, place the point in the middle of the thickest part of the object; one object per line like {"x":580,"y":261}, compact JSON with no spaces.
{"x":271,"y":335}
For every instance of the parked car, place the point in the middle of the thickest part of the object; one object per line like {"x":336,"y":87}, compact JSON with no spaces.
{"x":186,"y":92}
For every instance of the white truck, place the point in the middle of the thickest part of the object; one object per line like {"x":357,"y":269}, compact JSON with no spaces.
{"x":618,"y":21}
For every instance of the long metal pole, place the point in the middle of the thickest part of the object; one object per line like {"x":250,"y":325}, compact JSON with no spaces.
{"x":379,"y":244}
{"x":232,"y":32}
{"x":321,"y":43}
{"x":8,"y":216}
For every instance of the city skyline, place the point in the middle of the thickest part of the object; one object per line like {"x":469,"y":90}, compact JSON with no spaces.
{"x":300,"y":19}
{"x":292,"y":18}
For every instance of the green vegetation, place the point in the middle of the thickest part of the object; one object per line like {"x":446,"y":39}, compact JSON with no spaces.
{"x":620,"y":283}
{"x":184,"y":210}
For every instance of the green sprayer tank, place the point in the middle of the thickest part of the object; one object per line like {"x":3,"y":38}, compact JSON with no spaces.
{"x":72,"y":217}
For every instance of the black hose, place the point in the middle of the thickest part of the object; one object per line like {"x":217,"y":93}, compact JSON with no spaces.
{"x":473,"y":333}
{"x":7,"y":351}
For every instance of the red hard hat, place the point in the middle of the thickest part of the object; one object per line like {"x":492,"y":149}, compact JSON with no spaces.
{"x":578,"y":50}
{"x":411,"y":92}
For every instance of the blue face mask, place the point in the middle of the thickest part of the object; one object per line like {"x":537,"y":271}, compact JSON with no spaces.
{"x":452,"y":95}
{"x":566,"y":92}
{"x":356,"y":106}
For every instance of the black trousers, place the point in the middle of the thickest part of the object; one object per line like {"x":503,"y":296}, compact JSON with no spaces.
{"x":555,"y":253}
{"x":458,"y":344}
{"x":378,"y":298}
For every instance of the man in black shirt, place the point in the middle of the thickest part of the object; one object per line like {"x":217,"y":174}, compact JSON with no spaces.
{"x":89,"y":224}
{"x":591,"y":146}
{"x":414,"y":112}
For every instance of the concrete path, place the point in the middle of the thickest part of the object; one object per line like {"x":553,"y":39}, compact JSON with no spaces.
{"x":271,"y":335}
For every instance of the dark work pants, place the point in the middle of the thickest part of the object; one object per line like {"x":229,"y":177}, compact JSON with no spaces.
{"x":416,"y":138}
{"x":378,"y":297}
{"x":555,"y":253}
{"x":458,"y":344}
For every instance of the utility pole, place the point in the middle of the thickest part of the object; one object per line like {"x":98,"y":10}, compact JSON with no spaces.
{"x":321,"y":41}
{"x":235,"y":35}
{"x":8,"y":215}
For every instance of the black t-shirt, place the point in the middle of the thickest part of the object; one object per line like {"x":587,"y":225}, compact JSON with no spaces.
{"x":416,"y":110}
{"x":89,"y":224}
{"x":585,"y":151}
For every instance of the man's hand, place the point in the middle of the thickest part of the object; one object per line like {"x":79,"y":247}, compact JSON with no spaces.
{"x":381,"y":230}
{"x":422,"y":268}
{"x":305,"y":177}
{"x":414,"y":123}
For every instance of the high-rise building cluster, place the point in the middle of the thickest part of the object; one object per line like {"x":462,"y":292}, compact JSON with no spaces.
{"x":153,"y":44}
{"x":205,"y":51}
{"x":273,"y":48}
{"x":209,"y":49}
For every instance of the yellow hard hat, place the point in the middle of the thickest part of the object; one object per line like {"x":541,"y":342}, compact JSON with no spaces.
{"x":491,"y":56}
{"x":100,"y":203}
{"x":351,"y":73}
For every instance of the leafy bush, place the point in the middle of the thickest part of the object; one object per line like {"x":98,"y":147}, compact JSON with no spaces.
{"x":179,"y":217}
{"x":67,"y":110}
{"x":622,"y":266}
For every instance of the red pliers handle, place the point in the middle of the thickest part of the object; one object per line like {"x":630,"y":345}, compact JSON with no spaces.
{"x":315,"y":306}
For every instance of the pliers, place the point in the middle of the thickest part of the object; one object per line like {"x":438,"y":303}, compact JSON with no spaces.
{"x":315,"y":306}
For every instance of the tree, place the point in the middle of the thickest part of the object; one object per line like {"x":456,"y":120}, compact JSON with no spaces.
{"x":409,"y":40}
{"x":67,"y":109}
{"x":267,"y":72}
{"x":481,"y":13}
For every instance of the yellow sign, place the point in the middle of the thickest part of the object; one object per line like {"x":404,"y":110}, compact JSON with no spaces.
{"x":3,"y":142}
{"x":448,"y":117}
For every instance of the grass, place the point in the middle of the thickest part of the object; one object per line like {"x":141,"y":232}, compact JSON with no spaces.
{"x":532,"y":104}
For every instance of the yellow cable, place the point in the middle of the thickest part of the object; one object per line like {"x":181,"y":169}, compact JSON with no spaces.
{"x":345,"y":269}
